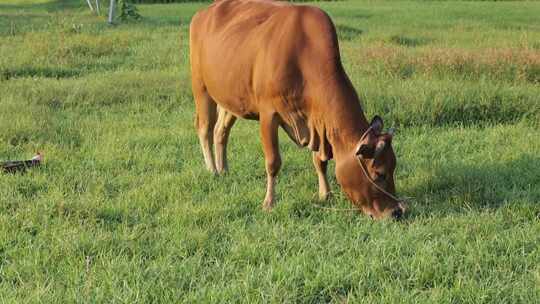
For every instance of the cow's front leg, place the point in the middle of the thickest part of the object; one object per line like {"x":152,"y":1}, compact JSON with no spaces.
{"x":269,"y":138}
{"x":321,"y":168}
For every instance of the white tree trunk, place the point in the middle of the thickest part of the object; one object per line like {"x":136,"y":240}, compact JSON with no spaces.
{"x":111,"y":11}
{"x":90,"y":5}
{"x":97,"y":7}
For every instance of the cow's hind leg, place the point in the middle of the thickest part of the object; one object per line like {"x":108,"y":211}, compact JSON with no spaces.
{"x":321,"y":168}
{"x":222,"y":130}
{"x":269,"y":138}
{"x":205,"y":121}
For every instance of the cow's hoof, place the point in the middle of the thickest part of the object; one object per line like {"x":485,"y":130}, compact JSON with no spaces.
{"x":268,"y":206}
{"x":212,"y":171}
{"x":325,"y":196}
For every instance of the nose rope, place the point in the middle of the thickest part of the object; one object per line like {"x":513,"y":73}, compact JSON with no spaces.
{"x":377,"y":186}
{"x":364,"y":170}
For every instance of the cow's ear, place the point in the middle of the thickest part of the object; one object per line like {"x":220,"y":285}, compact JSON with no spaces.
{"x":365,"y":151}
{"x":377,"y":124}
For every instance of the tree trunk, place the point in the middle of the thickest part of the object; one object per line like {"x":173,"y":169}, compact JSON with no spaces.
{"x":90,"y":5}
{"x":111,"y":11}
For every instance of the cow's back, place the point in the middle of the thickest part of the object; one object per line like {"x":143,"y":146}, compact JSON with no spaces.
{"x":254,"y":56}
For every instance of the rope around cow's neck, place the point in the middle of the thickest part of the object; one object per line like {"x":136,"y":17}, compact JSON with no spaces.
{"x":364,"y":170}
{"x":377,"y":186}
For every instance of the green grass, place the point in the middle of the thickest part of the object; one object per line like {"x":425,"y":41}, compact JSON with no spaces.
{"x":123,"y":211}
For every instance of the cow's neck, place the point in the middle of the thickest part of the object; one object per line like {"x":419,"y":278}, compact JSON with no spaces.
{"x":343,"y":118}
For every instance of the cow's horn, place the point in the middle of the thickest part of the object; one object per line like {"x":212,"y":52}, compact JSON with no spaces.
{"x":379,"y":148}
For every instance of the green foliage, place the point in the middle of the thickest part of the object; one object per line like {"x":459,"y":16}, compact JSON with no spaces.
{"x":127,"y":11}
{"x":123,"y":211}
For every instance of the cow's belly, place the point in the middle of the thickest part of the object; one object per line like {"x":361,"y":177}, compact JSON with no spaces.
{"x":233,"y":100}
{"x":228,"y":81}
{"x":248,"y":76}
{"x":237,"y":106}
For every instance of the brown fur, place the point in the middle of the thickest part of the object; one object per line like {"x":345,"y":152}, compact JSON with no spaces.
{"x":280,"y":64}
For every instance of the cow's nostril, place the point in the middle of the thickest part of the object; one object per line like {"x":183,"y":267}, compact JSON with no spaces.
{"x":397,"y":214}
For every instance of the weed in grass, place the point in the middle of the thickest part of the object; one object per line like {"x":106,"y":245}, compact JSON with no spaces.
{"x":345,"y":32}
{"x":408,"y":41}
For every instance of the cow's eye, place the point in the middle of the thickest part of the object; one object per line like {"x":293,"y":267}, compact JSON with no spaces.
{"x":380,"y":177}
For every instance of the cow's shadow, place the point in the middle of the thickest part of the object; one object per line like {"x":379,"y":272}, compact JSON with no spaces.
{"x":456,"y":188}
{"x":452,"y":188}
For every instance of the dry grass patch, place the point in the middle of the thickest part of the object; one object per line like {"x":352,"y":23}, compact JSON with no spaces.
{"x":508,"y":64}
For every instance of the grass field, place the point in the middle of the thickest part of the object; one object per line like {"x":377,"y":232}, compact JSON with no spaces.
{"x":123,"y":211}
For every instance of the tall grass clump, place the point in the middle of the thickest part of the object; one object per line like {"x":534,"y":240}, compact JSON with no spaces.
{"x":512,"y":65}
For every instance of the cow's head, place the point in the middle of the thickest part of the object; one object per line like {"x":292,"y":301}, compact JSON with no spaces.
{"x":367,"y":172}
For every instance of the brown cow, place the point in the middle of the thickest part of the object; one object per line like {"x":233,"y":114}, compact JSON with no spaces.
{"x":279,"y":63}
